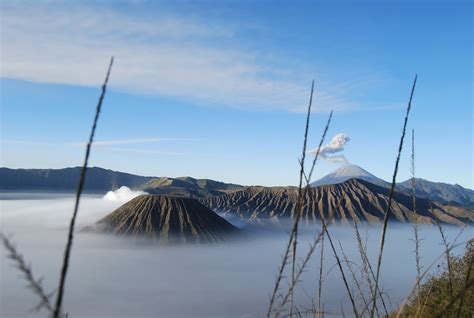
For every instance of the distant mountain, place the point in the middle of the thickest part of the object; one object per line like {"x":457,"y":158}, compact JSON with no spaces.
{"x":99,"y":179}
{"x":435,"y":191}
{"x":169,"y":219}
{"x":347,"y":172}
{"x":438,"y":191}
{"x":352,"y":199}
{"x":188,"y":187}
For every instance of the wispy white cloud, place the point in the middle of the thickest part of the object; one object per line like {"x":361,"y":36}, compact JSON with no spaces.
{"x":167,"y":54}
{"x":100,"y":143}
{"x":142,"y":151}
{"x":107,"y":145}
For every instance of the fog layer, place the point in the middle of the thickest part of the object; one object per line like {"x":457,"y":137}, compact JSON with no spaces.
{"x":111,"y":276}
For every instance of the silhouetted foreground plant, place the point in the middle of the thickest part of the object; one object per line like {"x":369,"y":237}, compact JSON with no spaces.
{"x":35,"y":284}
{"x":67,"y":251}
{"x":392,"y":192}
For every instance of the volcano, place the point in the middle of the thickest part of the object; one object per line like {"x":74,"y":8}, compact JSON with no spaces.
{"x":167,"y":218}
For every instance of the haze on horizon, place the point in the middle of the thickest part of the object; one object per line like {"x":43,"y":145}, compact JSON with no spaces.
{"x":218,"y":90}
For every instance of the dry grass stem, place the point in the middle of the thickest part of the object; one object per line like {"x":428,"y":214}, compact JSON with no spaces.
{"x":390,"y":199}
{"x":67,"y":251}
{"x":33,"y":283}
{"x":294,"y":228}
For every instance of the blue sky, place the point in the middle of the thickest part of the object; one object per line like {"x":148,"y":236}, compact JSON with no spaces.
{"x":218,"y":89}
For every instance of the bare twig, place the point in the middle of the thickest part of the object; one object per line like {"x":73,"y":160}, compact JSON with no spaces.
{"x":448,"y":257}
{"x":392,"y":192}
{"x":341,"y":270}
{"x":300,"y":198}
{"x":67,"y":251}
{"x":316,"y":156}
{"x":295,"y":217}
{"x":415,"y":223}
{"x":35,"y":284}
{"x":302,"y":268}
{"x":354,"y":277}
{"x":320,"y":277}
{"x":366,"y":267}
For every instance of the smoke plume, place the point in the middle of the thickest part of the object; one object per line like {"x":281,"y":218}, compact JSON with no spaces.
{"x":122,"y":194}
{"x":329,"y":152}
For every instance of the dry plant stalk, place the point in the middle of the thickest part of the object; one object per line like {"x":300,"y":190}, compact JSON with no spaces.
{"x":320,"y":277}
{"x":300,"y":195}
{"x":448,"y":257}
{"x":415,"y":223}
{"x":367,"y":268}
{"x":33,"y":283}
{"x":67,"y":251}
{"x":392,"y":192}
{"x":339,"y":264}
{"x":302,"y":268}
{"x":292,"y":242}
{"x":295,"y":217}
{"x":354,"y":277}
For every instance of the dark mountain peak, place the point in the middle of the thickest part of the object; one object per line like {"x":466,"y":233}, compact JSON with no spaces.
{"x":167,"y":218}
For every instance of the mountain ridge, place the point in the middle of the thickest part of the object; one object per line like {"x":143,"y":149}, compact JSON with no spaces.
{"x":436,"y":191}
{"x":100,"y":179}
{"x":352,"y":199}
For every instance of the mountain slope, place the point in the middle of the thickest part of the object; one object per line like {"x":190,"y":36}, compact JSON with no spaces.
{"x":352,"y":199}
{"x":347,"y":172}
{"x":169,"y":219}
{"x":438,"y":191}
{"x":188,"y":187}
{"x":99,"y":179}
{"x":66,"y":179}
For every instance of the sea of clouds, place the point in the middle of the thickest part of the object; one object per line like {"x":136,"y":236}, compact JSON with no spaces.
{"x":111,"y":276}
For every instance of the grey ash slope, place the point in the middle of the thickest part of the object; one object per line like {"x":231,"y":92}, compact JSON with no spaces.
{"x":167,"y":218}
{"x":352,"y":199}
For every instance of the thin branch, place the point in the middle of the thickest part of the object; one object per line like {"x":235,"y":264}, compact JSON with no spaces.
{"x":354,"y":277}
{"x":320,"y":277}
{"x":67,"y":251}
{"x":295,"y":218}
{"x":392,"y":192}
{"x":341,"y":270}
{"x":311,"y":249}
{"x":319,"y":147}
{"x":415,"y":223}
{"x":33,"y":283}
{"x":300,"y":197}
